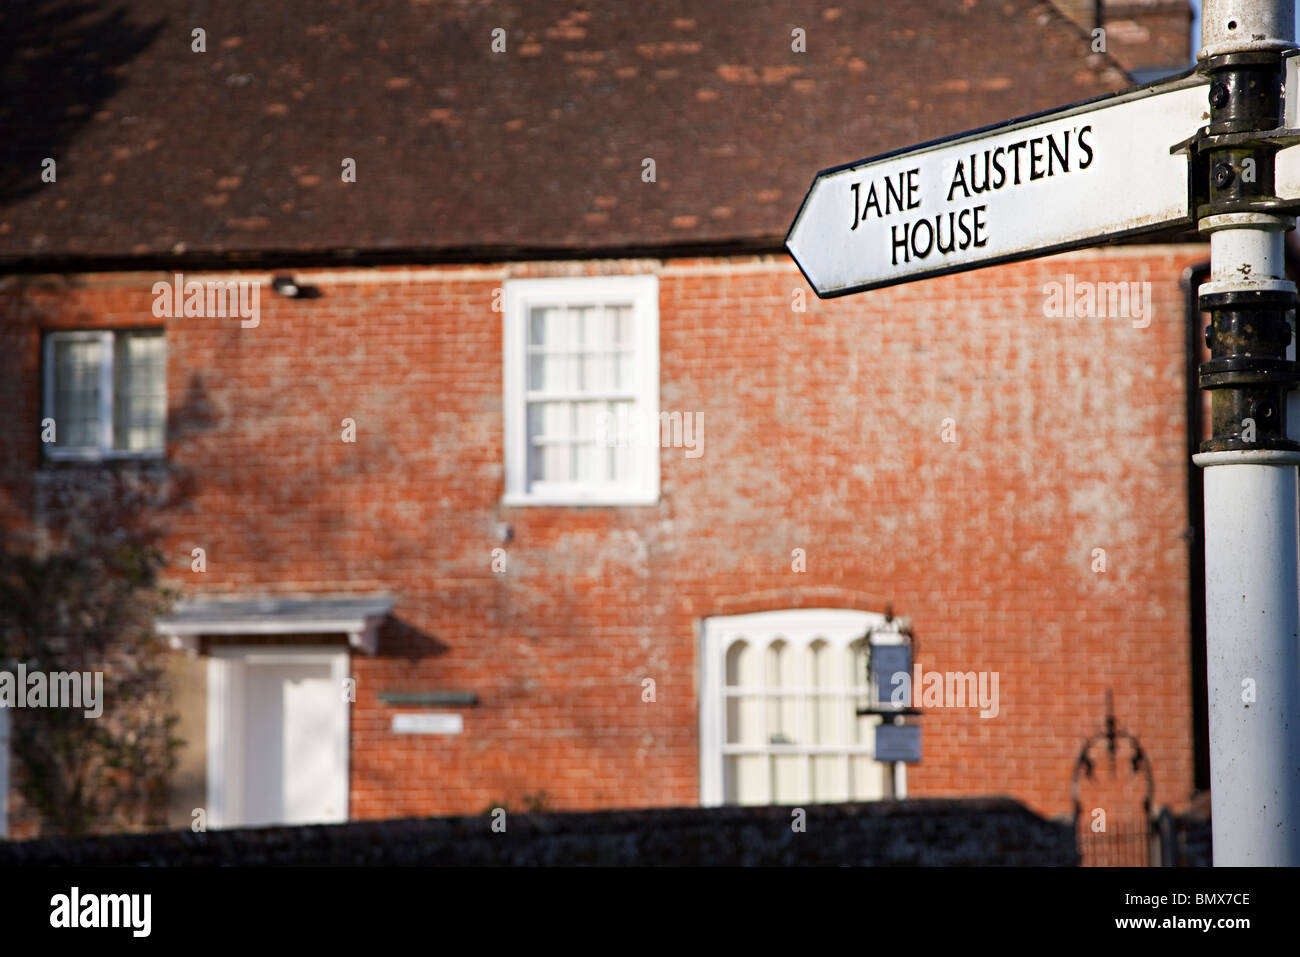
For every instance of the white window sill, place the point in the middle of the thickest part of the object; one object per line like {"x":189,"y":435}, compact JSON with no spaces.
{"x":98,"y":455}
{"x":554,"y":500}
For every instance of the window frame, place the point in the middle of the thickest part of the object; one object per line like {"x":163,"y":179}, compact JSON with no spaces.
{"x":521,"y":297}
{"x":107,"y":339}
{"x":799,"y":629}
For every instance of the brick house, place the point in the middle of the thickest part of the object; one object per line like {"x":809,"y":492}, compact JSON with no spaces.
{"x":468,"y":261}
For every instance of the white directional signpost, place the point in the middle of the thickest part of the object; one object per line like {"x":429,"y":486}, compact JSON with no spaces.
{"x":1218,"y":148}
{"x":1092,"y":172}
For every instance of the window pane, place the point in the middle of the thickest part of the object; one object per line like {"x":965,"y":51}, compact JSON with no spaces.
{"x":562,"y":331}
{"x":597,"y":328}
{"x":553,"y":371}
{"x":819,"y":664}
{"x":591,"y":454}
{"x":550,"y":463}
{"x":590,"y":420}
{"x":868,"y":783}
{"x":828,"y":719}
{"x":744,"y":779}
{"x":783,"y":719}
{"x":745,"y":720}
{"x":744,"y":714}
{"x":855,"y":676}
{"x":829,"y":781}
{"x":778,"y":655}
{"x":140,"y":391}
{"x":828,"y":713}
{"x":76,"y":392}
{"x":740,"y":665}
{"x":625,"y":370}
{"x":552,"y":361}
{"x":622,"y":319}
{"x":590,"y":462}
{"x":856,"y":663}
{"x":619,"y":426}
{"x":537,"y":373}
{"x":623,"y":362}
{"x":788,"y":779}
{"x":620,"y":467}
{"x":545,"y":325}
{"x":549,"y":441}
{"x":599,"y":373}
{"x":864,"y":728}
{"x":592,"y":348}
{"x":782,"y":709}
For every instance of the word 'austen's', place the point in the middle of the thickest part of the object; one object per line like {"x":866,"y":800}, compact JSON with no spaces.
{"x":993,"y":169}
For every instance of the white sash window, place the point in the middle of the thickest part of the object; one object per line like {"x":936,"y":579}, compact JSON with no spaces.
{"x":581,"y":364}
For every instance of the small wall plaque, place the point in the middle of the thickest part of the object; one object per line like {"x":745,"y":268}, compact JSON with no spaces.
{"x":428,"y":722}
{"x":898,"y":742}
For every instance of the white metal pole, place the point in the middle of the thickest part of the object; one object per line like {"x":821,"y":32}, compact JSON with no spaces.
{"x":1253,"y":662}
{"x":1252,"y":539}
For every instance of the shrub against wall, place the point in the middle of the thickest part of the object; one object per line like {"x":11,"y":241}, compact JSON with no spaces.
{"x":78,"y":593}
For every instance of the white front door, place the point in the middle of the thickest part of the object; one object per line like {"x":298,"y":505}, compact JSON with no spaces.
{"x":281,"y":720}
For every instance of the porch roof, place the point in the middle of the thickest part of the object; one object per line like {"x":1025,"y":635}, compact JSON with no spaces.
{"x":357,"y":616}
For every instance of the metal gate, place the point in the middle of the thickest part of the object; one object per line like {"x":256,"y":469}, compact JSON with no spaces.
{"x":1112,"y":787}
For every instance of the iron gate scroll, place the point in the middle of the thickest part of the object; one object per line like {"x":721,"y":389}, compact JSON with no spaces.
{"x":1111,"y":827}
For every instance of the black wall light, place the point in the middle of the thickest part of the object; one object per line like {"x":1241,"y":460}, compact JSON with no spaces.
{"x":286,"y":286}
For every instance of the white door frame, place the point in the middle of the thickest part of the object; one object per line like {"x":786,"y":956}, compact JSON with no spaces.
{"x":227,"y":666}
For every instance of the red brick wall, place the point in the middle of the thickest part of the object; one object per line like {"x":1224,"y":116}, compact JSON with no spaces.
{"x":821,"y":431}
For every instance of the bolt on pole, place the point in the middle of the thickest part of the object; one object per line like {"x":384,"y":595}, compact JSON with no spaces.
{"x":1252,"y":512}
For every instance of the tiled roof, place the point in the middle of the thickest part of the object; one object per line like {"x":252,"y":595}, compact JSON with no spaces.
{"x":463,"y":152}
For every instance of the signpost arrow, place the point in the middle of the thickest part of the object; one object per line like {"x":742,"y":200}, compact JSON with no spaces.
{"x":1074,"y":177}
